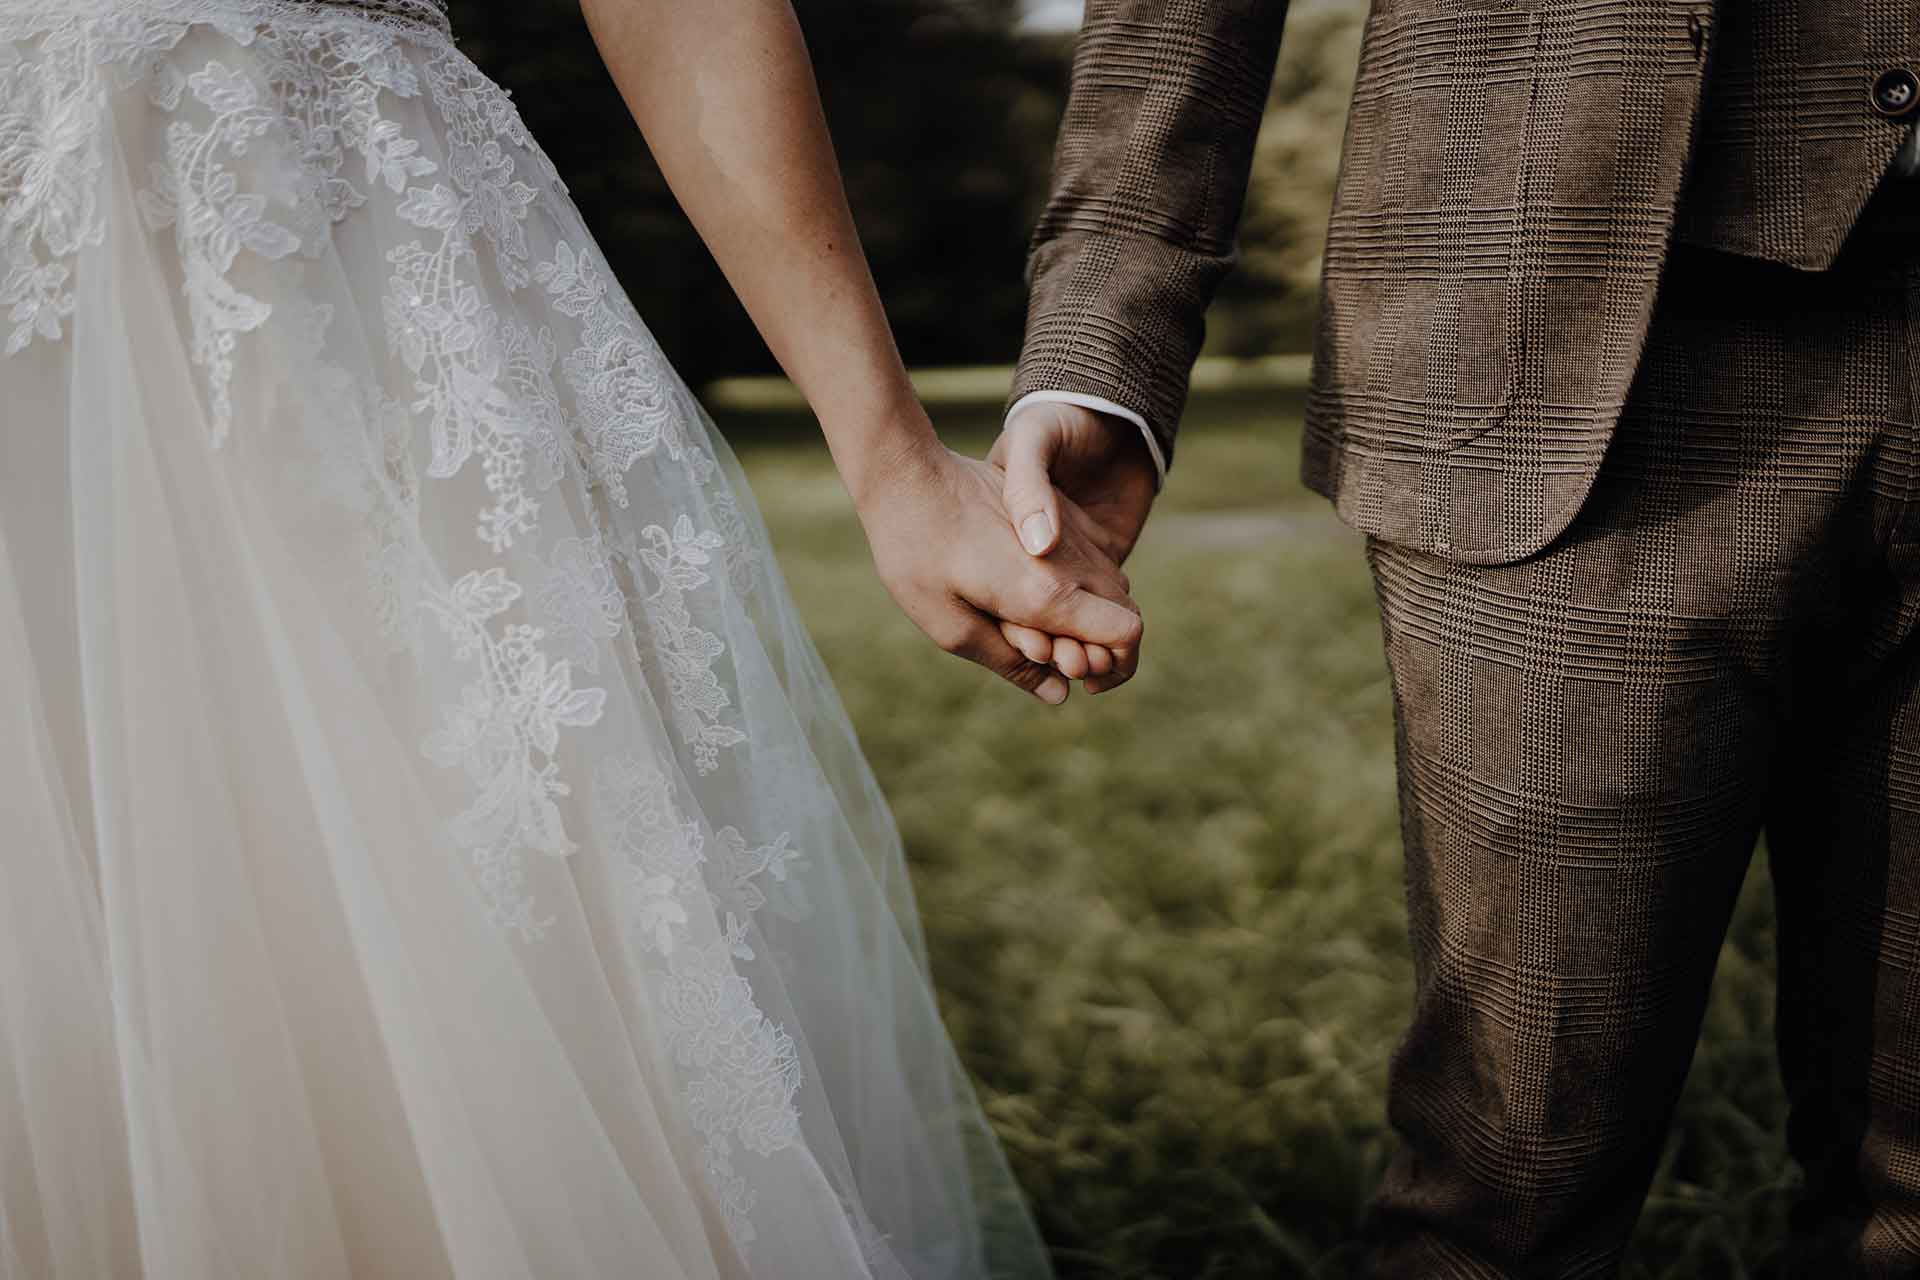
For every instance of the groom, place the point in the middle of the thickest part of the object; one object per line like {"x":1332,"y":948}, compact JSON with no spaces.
{"x":1618,"y":371}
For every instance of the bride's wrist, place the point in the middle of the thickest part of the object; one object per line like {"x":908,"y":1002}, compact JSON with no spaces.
{"x":883,"y":446}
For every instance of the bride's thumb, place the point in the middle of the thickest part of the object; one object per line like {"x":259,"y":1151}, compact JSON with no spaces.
{"x":1032,"y":502}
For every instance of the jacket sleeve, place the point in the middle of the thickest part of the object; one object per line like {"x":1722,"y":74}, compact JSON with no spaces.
{"x":1150,"y":174}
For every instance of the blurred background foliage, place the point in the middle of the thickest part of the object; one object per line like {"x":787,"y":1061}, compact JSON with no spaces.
{"x":944,"y":114}
{"x":1166,"y":924}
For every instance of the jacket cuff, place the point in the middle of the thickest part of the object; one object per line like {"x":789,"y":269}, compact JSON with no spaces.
{"x":1119,"y":318}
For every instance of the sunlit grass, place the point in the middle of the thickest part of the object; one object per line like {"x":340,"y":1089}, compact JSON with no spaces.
{"x":1167,"y":923}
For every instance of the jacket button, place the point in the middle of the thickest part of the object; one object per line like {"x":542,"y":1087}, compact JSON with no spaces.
{"x":1896,"y":93}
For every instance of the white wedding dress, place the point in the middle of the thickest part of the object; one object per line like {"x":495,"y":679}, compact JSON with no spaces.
{"x":429,"y":843}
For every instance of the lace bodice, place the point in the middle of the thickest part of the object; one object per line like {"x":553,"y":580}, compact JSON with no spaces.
{"x":19,"y":18}
{"x":428,"y":11}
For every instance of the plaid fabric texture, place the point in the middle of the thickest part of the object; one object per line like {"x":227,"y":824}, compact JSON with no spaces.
{"x":1649,"y":570}
{"x":1788,"y":149}
{"x":1506,"y":194}
{"x":1511,"y":179}
{"x":1150,"y":174}
{"x":1726,"y":639}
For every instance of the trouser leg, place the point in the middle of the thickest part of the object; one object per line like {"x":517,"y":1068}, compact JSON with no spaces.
{"x":1578,"y":812}
{"x":1588,"y":744}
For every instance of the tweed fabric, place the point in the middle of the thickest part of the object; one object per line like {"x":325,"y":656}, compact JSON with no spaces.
{"x":1150,"y":174}
{"x":1726,"y":639}
{"x":1506,"y":194}
{"x":1511,"y":178}
{"x":1789,"y":149}
{"x":1503,"y":211}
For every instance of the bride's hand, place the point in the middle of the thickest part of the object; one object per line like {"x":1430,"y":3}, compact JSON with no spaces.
{"x":945,"y":549}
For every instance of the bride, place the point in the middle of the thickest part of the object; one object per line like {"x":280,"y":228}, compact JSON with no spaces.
{"x":431,"y":844}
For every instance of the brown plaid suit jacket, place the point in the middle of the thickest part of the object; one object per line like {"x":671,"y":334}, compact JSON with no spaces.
{"x":1513,"y":174}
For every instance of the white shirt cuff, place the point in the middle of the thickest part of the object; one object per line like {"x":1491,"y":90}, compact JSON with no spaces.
{"x":1100,"y":405}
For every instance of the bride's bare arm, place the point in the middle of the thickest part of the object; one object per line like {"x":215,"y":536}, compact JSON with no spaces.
{"x":725,"y":96}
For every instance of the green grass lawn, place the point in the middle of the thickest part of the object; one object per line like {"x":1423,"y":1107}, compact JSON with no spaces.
{"x":1167,"y":923}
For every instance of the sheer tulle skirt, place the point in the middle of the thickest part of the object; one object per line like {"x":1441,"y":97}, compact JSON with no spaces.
{"x":430,"y":843}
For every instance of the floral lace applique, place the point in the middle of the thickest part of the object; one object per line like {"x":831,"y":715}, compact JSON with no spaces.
{"x":321,"y":80}
{"x":754,"y":875}
{"x":328,"y":86}
{"x":50,"y":161}
{"x":504,"y":732}
{"x":581,"y":599}
{"x":198,"y":196}
{"x":264,"y":154}
{"x":37,"y":299}
{"x":677,"y":563}
{"x":746,"y":1069}
{"x":479,"y":117}
{"x":739,"y":551}
{"x":485,"y":383}
{"x":623,"y":389}
{"x":278,"y":147}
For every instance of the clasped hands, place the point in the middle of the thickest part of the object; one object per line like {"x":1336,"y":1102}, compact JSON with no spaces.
{"x":1014,"y":562}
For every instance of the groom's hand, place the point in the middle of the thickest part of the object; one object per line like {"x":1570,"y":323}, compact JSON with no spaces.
{"x":1100,"y":465}
{"x":1097,"y":460}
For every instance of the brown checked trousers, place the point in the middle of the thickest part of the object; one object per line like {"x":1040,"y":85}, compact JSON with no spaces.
{"x":1726,"y":639}
{"x":1618,"y":370}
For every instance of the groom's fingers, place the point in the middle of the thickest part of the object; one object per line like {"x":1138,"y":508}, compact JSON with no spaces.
{"x":1032,"y":502}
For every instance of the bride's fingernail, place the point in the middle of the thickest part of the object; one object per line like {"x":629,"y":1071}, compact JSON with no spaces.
{"x":1052,"y":690}
{"x":1034,"y":530}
